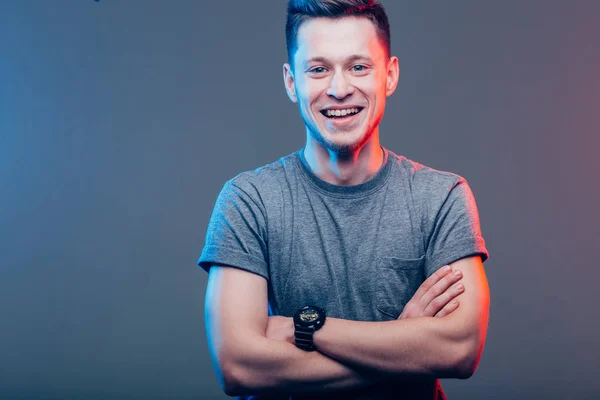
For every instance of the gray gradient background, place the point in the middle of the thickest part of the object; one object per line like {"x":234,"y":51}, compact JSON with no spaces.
{"x":121,"y":120}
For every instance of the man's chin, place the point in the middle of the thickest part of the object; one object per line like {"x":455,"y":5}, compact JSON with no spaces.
{"x":345,"y":142}
{"x":341,"y":146}
{"x":339,"y":141}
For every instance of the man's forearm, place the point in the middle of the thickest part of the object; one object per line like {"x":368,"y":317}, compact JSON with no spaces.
{"x":446,"y":347}
{"x":273,"y":366}
{"x":422,"y":346}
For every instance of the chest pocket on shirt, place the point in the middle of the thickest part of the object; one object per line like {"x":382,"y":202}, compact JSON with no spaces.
{"x":397,"y":281}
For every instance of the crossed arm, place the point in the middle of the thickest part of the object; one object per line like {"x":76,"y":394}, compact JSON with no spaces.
{"x":448,"y":347}
{"x":253,"y":353}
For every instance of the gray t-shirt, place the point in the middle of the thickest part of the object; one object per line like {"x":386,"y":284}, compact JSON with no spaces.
{"x":360,"y":252}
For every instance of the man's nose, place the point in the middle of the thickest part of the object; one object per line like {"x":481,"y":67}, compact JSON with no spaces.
{"x":339,"y":86}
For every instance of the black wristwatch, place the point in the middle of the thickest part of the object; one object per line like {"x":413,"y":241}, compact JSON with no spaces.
{"x":307,"y":320}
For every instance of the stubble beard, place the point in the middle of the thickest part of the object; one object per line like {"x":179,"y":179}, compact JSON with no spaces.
{"x":336,"y":147}
{"x":340,"y":148}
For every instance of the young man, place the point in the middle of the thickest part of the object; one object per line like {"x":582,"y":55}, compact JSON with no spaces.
{"x":333,"y":268}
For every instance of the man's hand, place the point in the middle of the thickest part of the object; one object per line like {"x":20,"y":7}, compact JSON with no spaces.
{"x":281,"y":328}
{"x":436,"y":296}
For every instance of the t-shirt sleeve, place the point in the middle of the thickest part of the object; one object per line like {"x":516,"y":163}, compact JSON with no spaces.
{"x":455,"y":231}
{"x":237,"y":234}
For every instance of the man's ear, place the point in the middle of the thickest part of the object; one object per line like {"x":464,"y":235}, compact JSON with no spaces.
{"x":288,"y":80}
{"x":392,"y":77}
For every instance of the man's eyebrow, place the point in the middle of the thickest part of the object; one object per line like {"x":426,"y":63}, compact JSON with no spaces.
{"x":353,"y":57}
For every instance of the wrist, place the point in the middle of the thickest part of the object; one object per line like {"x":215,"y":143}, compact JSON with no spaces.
{"x":307,"y":321}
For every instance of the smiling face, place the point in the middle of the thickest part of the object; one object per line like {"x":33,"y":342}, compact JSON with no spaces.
{"x":340,"y":80}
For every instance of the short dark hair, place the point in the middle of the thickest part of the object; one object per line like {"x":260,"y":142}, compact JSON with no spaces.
{"x":299,"y":11}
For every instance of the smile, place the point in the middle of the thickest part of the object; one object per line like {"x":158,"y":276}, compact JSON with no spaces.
{"x":341,"y":113}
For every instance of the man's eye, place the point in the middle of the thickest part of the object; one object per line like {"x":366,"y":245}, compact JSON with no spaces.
{"x":359,"y":68}
{"x":317,"y":70}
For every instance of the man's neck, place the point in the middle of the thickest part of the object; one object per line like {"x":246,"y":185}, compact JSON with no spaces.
{"x":347,"y":169}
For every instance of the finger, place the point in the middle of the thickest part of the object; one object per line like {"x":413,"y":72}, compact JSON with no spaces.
{"x":439,"y":287}
{"x":437,"y":304}
{"x":448,"y":309}
{"x":405,"y":312}
{"x":432,"y":280}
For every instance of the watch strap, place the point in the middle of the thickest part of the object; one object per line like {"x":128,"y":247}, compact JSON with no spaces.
{"x":304,"y":338}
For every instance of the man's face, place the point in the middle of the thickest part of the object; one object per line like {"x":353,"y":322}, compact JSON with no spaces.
{"x":340,"y":80}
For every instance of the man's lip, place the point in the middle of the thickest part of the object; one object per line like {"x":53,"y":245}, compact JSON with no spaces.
{"x":342,"y":107}
{"x":324,"y":112}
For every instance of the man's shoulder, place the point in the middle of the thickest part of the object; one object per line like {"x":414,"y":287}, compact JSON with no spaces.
{"x":264,"y":176}
{"x":426,"y":179}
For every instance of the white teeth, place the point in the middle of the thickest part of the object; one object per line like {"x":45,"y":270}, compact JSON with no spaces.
{"x":341,"y":113}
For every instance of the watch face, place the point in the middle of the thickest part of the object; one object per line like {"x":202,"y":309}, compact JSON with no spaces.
{"x":309,"y":315}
